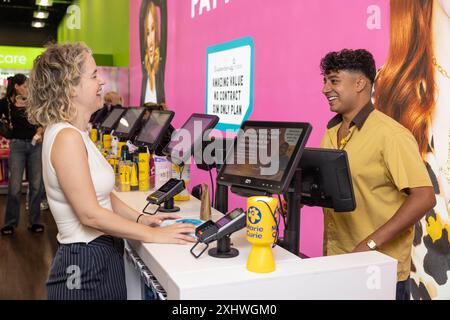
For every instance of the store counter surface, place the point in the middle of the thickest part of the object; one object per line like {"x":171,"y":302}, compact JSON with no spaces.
{"x":367,"y":275}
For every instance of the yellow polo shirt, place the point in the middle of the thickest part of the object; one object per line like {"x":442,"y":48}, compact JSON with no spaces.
{"x":384,"y":160}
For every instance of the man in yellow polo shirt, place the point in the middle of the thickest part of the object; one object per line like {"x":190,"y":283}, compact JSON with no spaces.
{"x":391,"y":184}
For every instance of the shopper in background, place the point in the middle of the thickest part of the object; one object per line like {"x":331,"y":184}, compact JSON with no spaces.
{"x":112,"y":98}
{"x":392,"y":187}
{"x":2,"y":92}
{"x":25,"y":151}
{"x":64,"y":91}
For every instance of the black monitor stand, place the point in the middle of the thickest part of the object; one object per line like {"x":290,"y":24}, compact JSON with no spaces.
{"x":291,"y":240}
{"x":223,"y":249}
{"x":221,"y":197}
{"x":169,"y":206}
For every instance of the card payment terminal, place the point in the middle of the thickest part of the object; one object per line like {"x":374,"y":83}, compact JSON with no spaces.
{"x":220,"y":230}
{"x":165,"y":195}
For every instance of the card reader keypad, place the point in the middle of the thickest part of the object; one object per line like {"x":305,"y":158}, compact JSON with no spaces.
{"x":157,"y":195}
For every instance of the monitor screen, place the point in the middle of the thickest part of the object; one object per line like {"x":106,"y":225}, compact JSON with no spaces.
{"x":113,"y":118}
{"x":154,"y":129}
{"x":189,"y":136}
{"x":326,"y":179}
{"x":265,"y":155}
{"x":100,"y":115}
{"x":129,"y":122}
{"x":228,"y":218}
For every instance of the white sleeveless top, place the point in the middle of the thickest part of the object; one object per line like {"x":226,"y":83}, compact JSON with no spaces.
{"x":70,"y":229}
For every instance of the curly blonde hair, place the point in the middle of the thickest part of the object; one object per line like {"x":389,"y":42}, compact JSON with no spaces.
{"x":54,"y":75}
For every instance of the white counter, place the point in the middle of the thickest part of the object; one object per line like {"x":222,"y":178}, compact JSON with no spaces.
{"x":368,"y":275}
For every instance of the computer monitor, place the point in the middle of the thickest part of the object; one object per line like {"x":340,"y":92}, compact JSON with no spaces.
{"x":265,"y":156}
{"x":189,"y":136}
{"x":326,"y":179}
{"x":154,"y":129}
{"x":99,"y":116}
{"x":129,"y":123}
{"x":112,"y":119}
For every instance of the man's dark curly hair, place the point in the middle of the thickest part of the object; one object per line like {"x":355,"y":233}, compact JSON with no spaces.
{"x":353,"y":60}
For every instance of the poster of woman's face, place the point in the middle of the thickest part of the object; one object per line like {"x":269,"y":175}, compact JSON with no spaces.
{"x":153,"y":44}
{"x":413,"y":89}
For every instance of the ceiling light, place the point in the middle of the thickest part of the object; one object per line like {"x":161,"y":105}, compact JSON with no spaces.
{"x":38,"y":24}
{"x":44,"y":3}
{"x":40,"y":14}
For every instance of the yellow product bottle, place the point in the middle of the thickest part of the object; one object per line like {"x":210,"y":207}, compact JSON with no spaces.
{"x":261,"y":233}
{"x":125,"y":173}
{"x":93,"y":135}
{"x":106,"y":142}
{"x":144,"y":169}
{"x":185,"y":175}
{"x":134,"y":184}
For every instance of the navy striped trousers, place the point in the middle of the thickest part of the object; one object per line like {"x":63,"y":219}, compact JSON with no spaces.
{"x":93,"y":271}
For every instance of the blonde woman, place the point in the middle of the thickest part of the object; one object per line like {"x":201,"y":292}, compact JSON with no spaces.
{"x":64,"y":91}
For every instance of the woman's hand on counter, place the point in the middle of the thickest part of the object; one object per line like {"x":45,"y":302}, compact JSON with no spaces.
{"x":176,"y":233}
{"x":155,"y":221}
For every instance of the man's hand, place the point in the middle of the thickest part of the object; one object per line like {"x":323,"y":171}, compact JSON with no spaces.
{"x":361,"y":247}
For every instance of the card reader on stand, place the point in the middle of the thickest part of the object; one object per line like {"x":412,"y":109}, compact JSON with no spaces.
{"x":165,"y":195}
{"x":220,"y":230}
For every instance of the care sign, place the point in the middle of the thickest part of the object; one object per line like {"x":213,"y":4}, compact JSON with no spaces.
{"x":229,"y":89}
{"x":18,"y":57}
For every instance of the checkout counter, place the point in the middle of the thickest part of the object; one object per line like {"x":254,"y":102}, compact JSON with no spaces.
{"x":367,"y":275}
{"x":164,"y":271}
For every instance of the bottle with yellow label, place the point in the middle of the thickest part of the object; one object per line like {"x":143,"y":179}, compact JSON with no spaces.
{"x":134,"y":183}
{"x":93,"y":134}
{"x":125,"y":174}
{"x":106,"y":142}
{"x":143,"y":168}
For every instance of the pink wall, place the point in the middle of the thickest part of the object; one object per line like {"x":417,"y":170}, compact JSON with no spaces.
{"x":290,"y":37}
